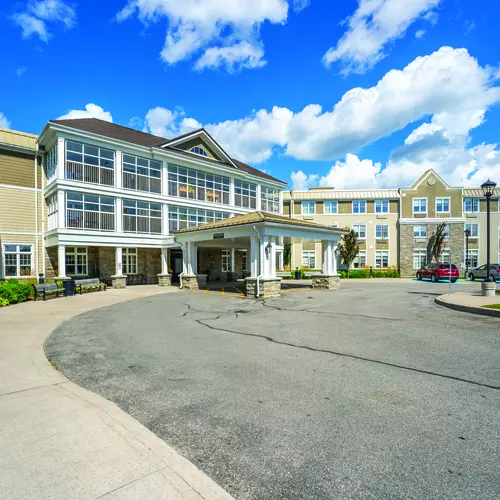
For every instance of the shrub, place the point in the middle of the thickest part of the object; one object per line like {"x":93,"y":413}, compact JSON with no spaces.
{"x":14,"y":291}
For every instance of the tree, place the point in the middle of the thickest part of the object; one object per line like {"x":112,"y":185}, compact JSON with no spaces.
{"x":436,"y":243}
{"x":348,"y":248}
{"x":287,"y":254}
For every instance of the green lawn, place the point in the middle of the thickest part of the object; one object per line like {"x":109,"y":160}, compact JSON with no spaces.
{"x":493,"y":306}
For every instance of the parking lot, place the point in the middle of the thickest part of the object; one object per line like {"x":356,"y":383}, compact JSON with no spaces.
{"x":370,"y":391}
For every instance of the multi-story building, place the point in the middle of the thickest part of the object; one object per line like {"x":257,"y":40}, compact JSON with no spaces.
{"x":395,"y":227}
{"x":21,"y":205}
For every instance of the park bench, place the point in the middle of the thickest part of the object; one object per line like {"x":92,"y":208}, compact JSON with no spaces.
{"x":89,"y":283}
{"x":46,"y":288}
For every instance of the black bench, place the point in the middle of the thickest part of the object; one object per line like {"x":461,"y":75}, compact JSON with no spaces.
{"x":89,"y":283}
{"x":46,"y":288}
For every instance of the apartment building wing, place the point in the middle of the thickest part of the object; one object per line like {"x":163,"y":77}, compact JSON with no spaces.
{"x":21,"y":205}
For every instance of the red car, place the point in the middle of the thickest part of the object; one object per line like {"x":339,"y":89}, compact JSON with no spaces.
{"x":437,"y":271}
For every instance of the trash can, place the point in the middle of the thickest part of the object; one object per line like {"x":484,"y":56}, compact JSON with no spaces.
{"x":297,"y":274}
{"x":41,"y":279}
{"x":69,"y":287}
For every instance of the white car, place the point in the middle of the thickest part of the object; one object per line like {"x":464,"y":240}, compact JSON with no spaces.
{"x":480,"y":272}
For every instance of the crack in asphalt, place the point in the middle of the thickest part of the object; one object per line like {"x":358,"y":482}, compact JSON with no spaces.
{"x":341,"y":354}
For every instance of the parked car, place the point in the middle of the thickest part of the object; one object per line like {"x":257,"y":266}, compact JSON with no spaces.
{"x":480,"y":272}
{"x":438,"y":271}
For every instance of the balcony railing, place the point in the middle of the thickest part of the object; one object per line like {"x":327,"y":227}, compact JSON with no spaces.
{"x":141,"y":182}
{"x":138,"y":224}
{"x":96,"y":221}
{"x":89,"y":173}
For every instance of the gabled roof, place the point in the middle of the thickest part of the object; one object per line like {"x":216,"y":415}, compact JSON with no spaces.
{"x":132,"y":136}
{"x":256,"y":218}
{"x":427,"y":174}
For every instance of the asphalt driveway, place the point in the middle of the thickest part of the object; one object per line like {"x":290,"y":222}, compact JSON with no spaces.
{"x":368,"y":392}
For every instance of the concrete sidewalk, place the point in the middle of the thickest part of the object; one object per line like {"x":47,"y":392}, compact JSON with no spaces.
{"x":472,"y":302}
{"x":59,"y":441}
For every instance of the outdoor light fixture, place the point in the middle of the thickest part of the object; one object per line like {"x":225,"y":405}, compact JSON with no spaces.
{"x":268,"y":248}
{"x":488,"y":189}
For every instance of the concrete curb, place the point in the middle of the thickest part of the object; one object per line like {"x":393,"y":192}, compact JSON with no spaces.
{"x":482,"y":311}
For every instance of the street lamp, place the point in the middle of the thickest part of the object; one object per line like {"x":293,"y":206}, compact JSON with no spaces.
{"x":467,"y":234}
{"x":488,"y":189}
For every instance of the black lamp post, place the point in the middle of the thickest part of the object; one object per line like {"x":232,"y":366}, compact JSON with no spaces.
{"x":467,"y":234}
{"x":488,"y":189}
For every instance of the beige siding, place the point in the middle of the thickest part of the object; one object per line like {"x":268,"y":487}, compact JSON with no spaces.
{"x":17,"y":169}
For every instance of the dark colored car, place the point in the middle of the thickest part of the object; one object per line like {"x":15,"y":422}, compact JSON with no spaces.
{"x":480,"y":272}
{"x":437,"y":271}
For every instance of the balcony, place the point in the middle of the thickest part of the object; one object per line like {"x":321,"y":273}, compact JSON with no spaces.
{"x":93,"y":221}
{"x":92,"y":174}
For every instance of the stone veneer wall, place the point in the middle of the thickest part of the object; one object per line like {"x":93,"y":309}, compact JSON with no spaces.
{"x":407,"y":243}
{"x":210,"y":263}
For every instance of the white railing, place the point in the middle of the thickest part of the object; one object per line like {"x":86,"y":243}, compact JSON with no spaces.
{"x":89,"y":173}
{"x":141,"y":182}
{"x":138,"y":224}
{"x":96,"y":221}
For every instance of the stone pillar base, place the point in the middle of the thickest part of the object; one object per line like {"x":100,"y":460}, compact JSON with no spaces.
{"x":268,"y":288}
{"x":488,"y":288}
{"x":119,"y":281}
{"x":164,"y":280}
{"x":325,"y":281}
{"x":190,"y":282}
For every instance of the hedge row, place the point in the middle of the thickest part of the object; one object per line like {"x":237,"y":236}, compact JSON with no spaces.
{"x":13,"y":291}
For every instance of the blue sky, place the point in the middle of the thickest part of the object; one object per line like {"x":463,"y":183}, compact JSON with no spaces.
{"x":272,"y":80}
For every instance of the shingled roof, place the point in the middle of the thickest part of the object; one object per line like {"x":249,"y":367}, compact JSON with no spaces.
{"x":126,"y":134}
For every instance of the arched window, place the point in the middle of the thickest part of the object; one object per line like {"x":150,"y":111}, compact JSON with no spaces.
{"x":199,"y":151}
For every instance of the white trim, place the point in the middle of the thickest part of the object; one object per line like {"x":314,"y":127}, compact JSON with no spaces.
{"x":359,"y":201}
{"x":424,"y":177}
{"x":24,"y":233}
{"x":383,"y":237}
{"x":366,"y":229}
{"x":432,"y":220}
{"x":18,"y":264}
{"x":302,"y":207}
{"x":21,"y":188}
{"x":426,"y":205}
{"x":442,"y":198}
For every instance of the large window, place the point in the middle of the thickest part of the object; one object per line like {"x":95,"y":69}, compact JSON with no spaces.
{"x":331,"y":207}
{"x":51,"y":163}
{"x":17,"y":260}
{"x":245,"y":194}
{"x":420,"y":231}
{"x":129,"y":260}
{"x":184,"y":217}
{"x":474,"y":230}
{"x":52,"y":212}
{"x":141,"y":174}
{"x":442,"y":205}
{"x":90,"y":211}
{"x":419,"y":205}
{"x":447,"y":231}
{"x":309,"y":259}
{"x":419,"y":258}
{"x":89,"y":164}
{"x":76,"y":261}
{"x":471,"y":205}
{"x":141,"y":217}
{"x":270,"y":199}
{"x":308,"y":207}
{"x":473,"y":260}
{"x":382,"y":206}
{"x":195,"y":185}
{"x":360,"y":230}
{"x":359,"y":207}
{"x":445,"y":256}
{"x":360,"y":260}
{"x":199,"y":151}
{"x":381,"y":258}
{"x":382,"y":231}
{"x":226,"y":260}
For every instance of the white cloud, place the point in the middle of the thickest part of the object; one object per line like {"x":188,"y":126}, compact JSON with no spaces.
{"x":33,"y":21}
{"x":166,"y":123}
{"x":4,"y":123}
{"x":91,"y":111}
{"x":300,"y":5}
{"x":374,"y":25}
{"x":352,"y":173}
{"x":420,"y":33}
{"x":302,"y":181}
{"x":20,"y":71}
{"x":222,"y":32}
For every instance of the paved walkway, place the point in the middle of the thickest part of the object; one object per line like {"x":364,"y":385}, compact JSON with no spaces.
{"x":59,"y":441}
{"x":470,"y":302}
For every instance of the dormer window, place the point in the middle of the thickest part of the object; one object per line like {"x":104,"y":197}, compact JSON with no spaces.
{"x":199,"y":151}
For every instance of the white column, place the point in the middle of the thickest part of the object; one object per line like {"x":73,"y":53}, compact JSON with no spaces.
{"x":233,"y":260}
{"x":268,"y":268}
{"x":164,"y":178}
{"x":272,"y":259}
{"x":189,"y":259}
{"x":254,"y":257}
{"x":259,"y":200}
{"x":118,"y":261}
{"x":164,"y":261}
{"x":61,"y":158}
{"x":326,"y":269}
{"x":164,"y":220}
{"x":231,"y":192}
{"x":61,"y":209}
{"x":334,"y":257}
{"x":118,"y":169}
{"x":281,"y":256}
{"x":61,"y":261}
{"x":281,"y":202}
{"x":194,"y":259}
{"x":119,"y":215}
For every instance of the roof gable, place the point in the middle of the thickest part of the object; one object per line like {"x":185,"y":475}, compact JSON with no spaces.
{"x":428,"y":174}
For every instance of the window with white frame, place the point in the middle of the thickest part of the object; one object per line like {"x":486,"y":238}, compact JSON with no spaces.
{"x":76,"y":261}
{"x":359,"y":207}
{"x":474,"y":230}
{"x":309,"y":259}
{"x":471,"y":205}
{"x":90,"y":211}
{"x":442,"y":205}
{"x":244,"y":260}
{"x":445,"y":256}
{"x":226,"y":260}
{"x":419,"y":205}
{"x":245,"y":194}
{"x":381,"y":206}
{"x":129,"y":260}
{"x":88,"y":163}
{"x":195,"y":185}
{"x":447,"y":231}
{"x":381,"y":258}
{"x":420,"y":231}
{"x":360,"y":230}
{"x":473,"y":258}
{"x":184,"y":217}
{"x":360,"y":260}
{"x":141,"y":217}
{"x":419,"y":258}
{"x":270,"y":199}
{"x":51,"y":163}
{"x":52,"y":212}
{"x":17,"y":260}
{"x":308,"y":207}
{"x":198,"y":150}
{"x":141,"y":174}
{"x":382,"y":231}
{"x":331,"y":207}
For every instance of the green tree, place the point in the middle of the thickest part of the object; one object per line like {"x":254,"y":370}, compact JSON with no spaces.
{"x":287,"y":254}
{"x":348,"y":248}
{"x":436,"y":242}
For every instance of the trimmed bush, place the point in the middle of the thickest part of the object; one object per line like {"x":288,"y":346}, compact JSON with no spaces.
{"x":13,"y":291}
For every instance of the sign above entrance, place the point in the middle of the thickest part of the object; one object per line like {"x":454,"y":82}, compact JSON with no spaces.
{"x":218,"y":236}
